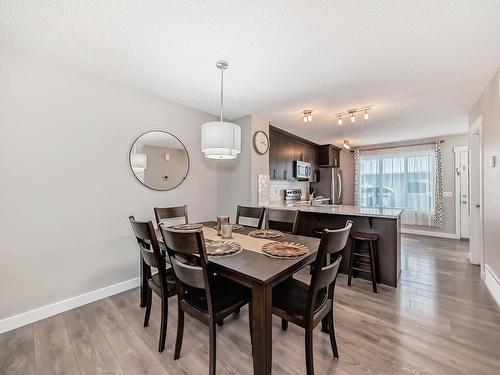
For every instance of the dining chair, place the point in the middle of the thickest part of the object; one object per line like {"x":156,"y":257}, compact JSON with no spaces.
{"x":307,"y":305}
{"x":253,"y":216}
{"x":201,"y":293}
{"x":171,"y":215}
{"x":163,"y":281}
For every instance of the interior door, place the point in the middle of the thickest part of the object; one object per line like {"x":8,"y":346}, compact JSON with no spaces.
{"x":464,"y":194}
{"x":476,"y":193}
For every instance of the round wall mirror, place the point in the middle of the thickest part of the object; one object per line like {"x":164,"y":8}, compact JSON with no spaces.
{"x":159,"y":160}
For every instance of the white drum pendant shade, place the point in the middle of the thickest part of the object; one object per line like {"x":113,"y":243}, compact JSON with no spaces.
{"x":220,"y":140}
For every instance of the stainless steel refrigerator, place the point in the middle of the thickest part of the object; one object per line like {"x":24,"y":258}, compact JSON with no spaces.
{"x":329,"y":184}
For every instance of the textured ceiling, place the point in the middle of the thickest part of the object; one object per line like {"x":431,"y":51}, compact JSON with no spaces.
{"x":422,"y":64}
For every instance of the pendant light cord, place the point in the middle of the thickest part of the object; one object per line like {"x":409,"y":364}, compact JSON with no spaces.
{"x":221,"y":92}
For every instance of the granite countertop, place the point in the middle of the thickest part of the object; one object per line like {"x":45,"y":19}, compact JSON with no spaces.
{"x":342,"y":209}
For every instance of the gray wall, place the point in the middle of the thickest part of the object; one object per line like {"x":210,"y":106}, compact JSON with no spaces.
{"x":488,"y":105}
{"x":67,"y":189}
{"x":233,"y":176}
{"x":347,"y":166}
{"x":450,"y":141}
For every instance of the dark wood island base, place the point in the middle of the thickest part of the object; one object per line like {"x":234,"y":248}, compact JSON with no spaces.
{"x":387,"y":227}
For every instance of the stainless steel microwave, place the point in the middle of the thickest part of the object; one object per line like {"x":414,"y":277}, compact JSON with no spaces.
{"x":301,"y":170}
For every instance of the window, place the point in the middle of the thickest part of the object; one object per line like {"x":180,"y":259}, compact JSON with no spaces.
{"x":402,"y":177}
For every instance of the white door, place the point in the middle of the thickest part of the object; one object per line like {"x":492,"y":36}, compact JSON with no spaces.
{"x":464,"y":193}
{"x":476,"y":193}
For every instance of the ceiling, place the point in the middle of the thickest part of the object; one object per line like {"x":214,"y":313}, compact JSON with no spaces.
{"x":421,"y":64}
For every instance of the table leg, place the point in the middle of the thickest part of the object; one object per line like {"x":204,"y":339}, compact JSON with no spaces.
{"x":262,"y":329}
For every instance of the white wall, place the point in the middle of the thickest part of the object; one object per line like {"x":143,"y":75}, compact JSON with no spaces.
{"x":488,"y":105}
{"x":66,"y":189}
{"x":260,"y":163}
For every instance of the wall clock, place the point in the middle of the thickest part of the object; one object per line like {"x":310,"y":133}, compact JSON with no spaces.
{"x":261,"y":142}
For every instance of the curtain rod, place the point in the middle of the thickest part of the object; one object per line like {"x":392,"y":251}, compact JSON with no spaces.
{"x":414,"y":144}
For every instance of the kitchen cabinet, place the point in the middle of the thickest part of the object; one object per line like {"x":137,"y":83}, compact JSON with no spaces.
{"x":284,"y":149}
{"x":329,"y":156}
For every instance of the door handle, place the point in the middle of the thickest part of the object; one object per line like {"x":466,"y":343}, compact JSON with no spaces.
{"x":478,"y":205}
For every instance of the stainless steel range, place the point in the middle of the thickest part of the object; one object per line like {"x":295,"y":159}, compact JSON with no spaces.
{"x":292,"y":194}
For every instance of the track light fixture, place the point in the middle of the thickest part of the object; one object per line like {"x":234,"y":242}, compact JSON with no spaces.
{"x":307,"y":115}
{"x":351,"y":113}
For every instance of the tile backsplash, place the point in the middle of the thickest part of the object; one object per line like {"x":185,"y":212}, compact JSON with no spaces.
{"x":272,"y":190}
{"x":277,"y":187}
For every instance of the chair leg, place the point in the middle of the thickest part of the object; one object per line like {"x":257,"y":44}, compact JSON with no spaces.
{"x":372,"y":266}
{"x":333,"y":341}
{"x":351,"y":260}
{"x":284,"y":324}
{"x":180,"y":333}
{"x":377,"y":265}
{"x":309,"y":351}
{"x":324,"y":325}
{"x":164,"y":320}
{"x":220,"y":323}
{"x":213,"y":358}
{"x":148,"y":307}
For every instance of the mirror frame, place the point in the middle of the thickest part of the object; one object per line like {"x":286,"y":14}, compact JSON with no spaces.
{"x":160,"y":131}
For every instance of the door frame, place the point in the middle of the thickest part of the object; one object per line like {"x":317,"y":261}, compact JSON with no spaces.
{"x":458,"y":198}
{"x":476,"y":129}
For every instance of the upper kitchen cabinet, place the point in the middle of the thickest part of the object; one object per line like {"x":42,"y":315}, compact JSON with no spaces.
{"x":284,"y":149}
{"x":329,"y":156}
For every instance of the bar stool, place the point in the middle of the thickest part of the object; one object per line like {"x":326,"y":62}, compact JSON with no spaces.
{"x":364,"y":257}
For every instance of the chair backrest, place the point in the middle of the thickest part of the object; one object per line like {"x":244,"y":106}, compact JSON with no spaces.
{"x":171,"y":215}
{"x":188,"y":257}
{"x":253,"y":216}
{"x":327,"y":262}
{"x":149,"y":247}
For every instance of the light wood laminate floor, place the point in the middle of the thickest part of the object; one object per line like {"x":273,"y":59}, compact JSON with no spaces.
{"x":441,"y":320}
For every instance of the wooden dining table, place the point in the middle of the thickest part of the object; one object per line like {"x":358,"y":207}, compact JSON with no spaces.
{"x":260,"y":273}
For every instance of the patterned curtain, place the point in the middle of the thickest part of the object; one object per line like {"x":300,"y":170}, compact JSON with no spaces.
{"x":356,"y":177}
{"x":439,"y":202}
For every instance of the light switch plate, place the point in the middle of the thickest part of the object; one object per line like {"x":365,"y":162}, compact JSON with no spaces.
{"x":448,"y":194}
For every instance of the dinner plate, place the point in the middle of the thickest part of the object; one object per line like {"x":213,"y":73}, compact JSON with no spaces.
{"x":285,"y":250}
{"x":223,"y":247}
{"x":187,"y":226}
{"x":269,"y":234}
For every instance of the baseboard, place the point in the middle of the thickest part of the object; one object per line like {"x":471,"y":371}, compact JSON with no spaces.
{"x":492,"y":282}
{"x":40,"y":313}
{"x":429,"y":233}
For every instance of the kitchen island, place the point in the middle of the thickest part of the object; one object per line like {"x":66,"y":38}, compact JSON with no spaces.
{"x":385,"y":222}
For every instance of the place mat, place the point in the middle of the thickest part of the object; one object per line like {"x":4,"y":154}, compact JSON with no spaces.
{"x":236,"y":227}
{"x":246,"y":242}
{"x":222,"y":248}
{"x":269,"y":234}
{"x":285,"y":250}
{"x":187,"y":226}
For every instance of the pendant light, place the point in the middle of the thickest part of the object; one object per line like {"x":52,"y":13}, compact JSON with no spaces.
{"x":221,"y":139}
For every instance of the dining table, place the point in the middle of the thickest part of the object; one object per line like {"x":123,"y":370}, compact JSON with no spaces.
{"x":260,"y":273}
